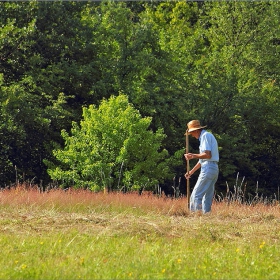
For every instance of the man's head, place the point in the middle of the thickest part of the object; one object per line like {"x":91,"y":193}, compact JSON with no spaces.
{"x":194,"y":128}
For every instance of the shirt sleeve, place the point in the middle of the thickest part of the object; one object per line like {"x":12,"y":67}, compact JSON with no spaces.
{"x":206,"y":142}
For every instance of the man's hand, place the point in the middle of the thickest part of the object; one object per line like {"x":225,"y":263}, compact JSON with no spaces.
{"x":188,"y":175}
{"x":189,"y":156}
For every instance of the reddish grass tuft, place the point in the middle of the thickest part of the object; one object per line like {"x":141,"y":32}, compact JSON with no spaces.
{"x":71,"y":200}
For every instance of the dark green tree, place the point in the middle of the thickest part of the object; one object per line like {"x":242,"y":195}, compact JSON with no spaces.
{"x":43,"y":55}
{"x":241,"y":87}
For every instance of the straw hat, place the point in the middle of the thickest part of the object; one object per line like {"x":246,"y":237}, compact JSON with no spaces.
{"x":194,"y":125}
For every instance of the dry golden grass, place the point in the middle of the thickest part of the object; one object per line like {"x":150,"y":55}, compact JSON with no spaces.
{"x":129,"y":213}
{"x":22,"y":195}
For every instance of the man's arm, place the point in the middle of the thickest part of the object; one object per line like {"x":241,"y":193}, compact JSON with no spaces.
{"x":204,"y":155}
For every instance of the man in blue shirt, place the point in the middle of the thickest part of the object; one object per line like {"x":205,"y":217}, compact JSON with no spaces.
{"x":208,"y":158}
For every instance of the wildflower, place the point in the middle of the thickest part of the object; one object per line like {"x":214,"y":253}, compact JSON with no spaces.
{"x":163,"y":270}
{"x":237,"y":250}
{"x":179,"y":260}
{"x":262,"y":244}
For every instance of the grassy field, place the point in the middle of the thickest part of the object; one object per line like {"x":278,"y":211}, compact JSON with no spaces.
{"x":84,"y":235}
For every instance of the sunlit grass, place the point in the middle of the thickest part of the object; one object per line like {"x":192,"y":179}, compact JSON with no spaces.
{"x":84,"y":235}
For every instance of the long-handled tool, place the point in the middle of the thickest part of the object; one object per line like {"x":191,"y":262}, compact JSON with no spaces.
{"x":188,"y":169}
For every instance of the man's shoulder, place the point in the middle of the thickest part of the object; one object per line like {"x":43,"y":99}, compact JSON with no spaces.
{"x":207,"y":134}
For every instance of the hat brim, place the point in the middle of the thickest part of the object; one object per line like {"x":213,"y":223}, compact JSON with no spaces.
{"x":194,"y":129}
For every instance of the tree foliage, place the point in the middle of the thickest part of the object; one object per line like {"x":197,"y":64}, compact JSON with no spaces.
{"x":113,"y":147}
{"x":174,"y":61}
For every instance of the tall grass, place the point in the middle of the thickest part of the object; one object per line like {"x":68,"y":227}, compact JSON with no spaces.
{"x":240,"y":194}
{"x":84,"y":235}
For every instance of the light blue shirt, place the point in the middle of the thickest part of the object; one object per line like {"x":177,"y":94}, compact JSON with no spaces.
{"x":208,"y":143}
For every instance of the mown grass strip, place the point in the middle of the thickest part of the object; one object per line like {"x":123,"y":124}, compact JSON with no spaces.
{"x":82,"y":235}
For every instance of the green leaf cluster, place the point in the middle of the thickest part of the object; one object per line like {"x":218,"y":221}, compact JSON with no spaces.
{"x":112,"y":147}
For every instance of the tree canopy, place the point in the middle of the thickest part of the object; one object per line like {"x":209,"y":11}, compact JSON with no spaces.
{"x":173,"y":61}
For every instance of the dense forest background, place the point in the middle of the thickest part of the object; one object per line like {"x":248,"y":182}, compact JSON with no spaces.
{"x":175,"y":61}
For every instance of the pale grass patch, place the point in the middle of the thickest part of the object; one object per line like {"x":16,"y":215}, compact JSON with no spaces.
{"x":237,"y":210}
{"x":24,"y":209}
